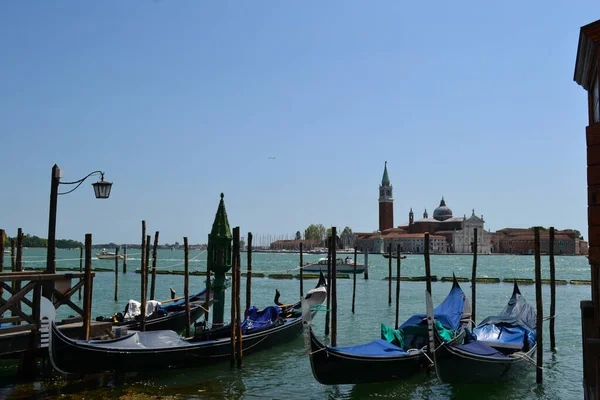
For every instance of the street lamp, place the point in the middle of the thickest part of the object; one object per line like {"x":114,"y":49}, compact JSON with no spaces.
{"x":101,"y":190}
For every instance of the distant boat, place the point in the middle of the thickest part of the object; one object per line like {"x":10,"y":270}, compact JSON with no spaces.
{"x":6,"y":251}
{"x":394,"y":255}
{"x":341,"y":266}
{"x":107,"y":255}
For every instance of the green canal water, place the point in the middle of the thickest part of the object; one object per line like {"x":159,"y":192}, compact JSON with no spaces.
{"x":284,"y":372}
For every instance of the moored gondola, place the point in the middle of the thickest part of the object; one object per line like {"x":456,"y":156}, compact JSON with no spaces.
{"x":499,"y":349}
{"x":156,"y":350}
{"x":401,"y":355}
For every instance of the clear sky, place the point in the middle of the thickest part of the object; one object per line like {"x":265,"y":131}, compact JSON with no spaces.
{"x":180,"y":100}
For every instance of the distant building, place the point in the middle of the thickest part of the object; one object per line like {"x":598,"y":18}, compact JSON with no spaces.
{"x":447,"y":233}
{"x":294,"y":245}
{"x":521,"y":241}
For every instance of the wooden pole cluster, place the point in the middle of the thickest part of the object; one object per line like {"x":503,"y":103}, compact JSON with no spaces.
{"x":154,"y":257}
{"x":249,"y":275}
{"x":87,"y":293}
{"x":125,"y":259}
{"x":333,"y":287}
{"x":186,"y":281}
{"x":474,"y":277}
{"x":552,"y":291}
{"x":329,"y":269}
{"x":427,"y":262}
{"x":116,"y":273}
{"x":301,"y":274}
{"x":354,"y":280}
{"x":540,"y":306}
{"x":143,"y":280}
{"x":390,"y":274}
{"x":398,"y":261}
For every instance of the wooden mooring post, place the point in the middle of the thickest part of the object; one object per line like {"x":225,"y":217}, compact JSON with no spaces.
{"x":354,"y":280}
{"x":124,"y":259}
{"x":116,"y":274}
{"x":249,"y":274}
{"x":398,"y":261}
{"x":87,"y":293}
{"x":80,"y":266}
{"x":552,"y":291}
{"x":186,"y":283}
{"x":329,"y":269}
{"x":238,"y":308}
{"x":18,"y":267}
{"x":142,"y":279}
{"x":390,"y":274}
{"x":333,"y":286}
{"x":540,"y":307}
{"x":427,"y":262}
{"x":474,"y":278}
{"x":154,"y":257}
{"x":236,"y":241}
{"x":2,"y":240}
{"x":208,"y":288}
{"x":147,"y":261}
{"x":301,"y":274}
{"x":366,"y":273}
{"x":12,"y":254}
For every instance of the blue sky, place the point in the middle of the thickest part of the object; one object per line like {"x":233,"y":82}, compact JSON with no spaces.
{"x":178,"y":101}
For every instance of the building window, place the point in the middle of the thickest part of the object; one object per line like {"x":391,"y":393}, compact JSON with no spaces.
{"x":595,"y":100}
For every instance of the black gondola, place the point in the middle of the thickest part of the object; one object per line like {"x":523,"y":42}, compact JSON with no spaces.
{"x":499,"y":348}
{"x":156,"y":350}
{"x":394,"y":255}
{"x":381,"y":360}
{"x":170,"y":314}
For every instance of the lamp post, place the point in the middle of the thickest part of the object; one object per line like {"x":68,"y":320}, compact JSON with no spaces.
{"x":101,"y":190}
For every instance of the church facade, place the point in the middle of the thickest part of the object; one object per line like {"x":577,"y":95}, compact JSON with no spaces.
{"x":447,"y":234}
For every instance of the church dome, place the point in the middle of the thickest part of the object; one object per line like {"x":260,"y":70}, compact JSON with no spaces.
{"x":442,"y":213}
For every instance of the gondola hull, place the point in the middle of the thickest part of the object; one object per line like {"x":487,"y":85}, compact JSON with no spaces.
{"x":454,"y":365}
{"x":331,"y":367}
{"x":175,"y":321}
{"x":152,"y":351}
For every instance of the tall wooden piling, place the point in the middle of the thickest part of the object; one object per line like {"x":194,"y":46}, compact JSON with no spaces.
{"x":329,"y":294}
{"x":186,"y":282}
{"x":154,"y":257}
{"x":238,"y":308}
{"x":87,"y":293}
{"x":398,"y":261}
{"x":474,"y":278}
{"x":249,"y":274}
{"x":143,"y":279}
{"x":236,"y":241}
{"x":116,"y":273}
{"x":80,"y":266}
{"x":366,"y":273}
{"x":12,"y":254}
{"x":125,"y":259}
{"x":427,"y":262}
{"x":354,"y":280}
{"x":390,"y":274}
{"x":18,"y":267}
{"x":334,"y":286}
{"x":208,"y":287}
{"x":2,"y":240}
{"x":540,"y":306}
{"x":552,"y":291}
{"x":147,"y":261}
{"x":301,"y":274}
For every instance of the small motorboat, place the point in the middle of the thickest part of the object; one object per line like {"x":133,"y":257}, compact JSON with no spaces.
{"x":341,"y":266}
{"x":107,"y":255}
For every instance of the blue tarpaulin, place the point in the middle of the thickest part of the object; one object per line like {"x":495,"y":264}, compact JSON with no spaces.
{"x":379,"y":348}
{"x":449,"y":313}
{"x":481,"y":349}
{"x":256,"y":319}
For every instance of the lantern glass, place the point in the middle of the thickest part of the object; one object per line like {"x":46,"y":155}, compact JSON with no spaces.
{"x":102,"y":189}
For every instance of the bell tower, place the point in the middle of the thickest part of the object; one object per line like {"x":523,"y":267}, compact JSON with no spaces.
{"x":386,"y":202}
{"x":411,"y":217}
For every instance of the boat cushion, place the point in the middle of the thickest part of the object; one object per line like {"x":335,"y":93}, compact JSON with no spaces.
{"x":482,"y":349}
{"x":391,"y":335}
{"x":378,"y":348}
{"x":256,"y":319}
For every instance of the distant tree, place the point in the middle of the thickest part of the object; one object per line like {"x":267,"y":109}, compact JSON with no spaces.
{"x":315,"y":232}
{"x":347,"y":237}
{"x":298,"y":235}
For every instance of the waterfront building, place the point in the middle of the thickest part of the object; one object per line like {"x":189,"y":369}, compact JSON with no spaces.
{"x":521,"y":241}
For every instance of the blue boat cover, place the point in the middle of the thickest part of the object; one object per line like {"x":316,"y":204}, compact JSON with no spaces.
{"x":481,"y":349}
{"x":449,"y":313}
{"x":377,"y":348}
{"x":503,"y":333}
{"x":175,"y":305}
{"x":256,"y":319}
